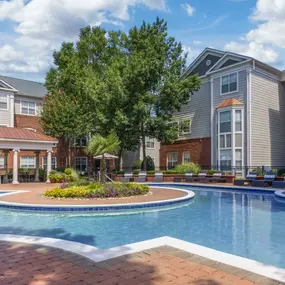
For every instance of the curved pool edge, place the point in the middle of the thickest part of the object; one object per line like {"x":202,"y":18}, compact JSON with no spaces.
{"x":280,"y":194}
{"x":96,"y":254}
{"x":96,"y":208}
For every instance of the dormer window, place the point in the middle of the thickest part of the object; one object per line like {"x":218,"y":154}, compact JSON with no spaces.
{"x":229,"y":83}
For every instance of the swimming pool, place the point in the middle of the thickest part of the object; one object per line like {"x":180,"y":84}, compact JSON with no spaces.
{"x":247,"y":224}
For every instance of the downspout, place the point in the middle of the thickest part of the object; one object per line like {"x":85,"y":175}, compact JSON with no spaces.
{"x":212,"y":123}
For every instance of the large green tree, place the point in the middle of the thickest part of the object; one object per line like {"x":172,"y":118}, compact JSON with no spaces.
{"x":129,"y":84}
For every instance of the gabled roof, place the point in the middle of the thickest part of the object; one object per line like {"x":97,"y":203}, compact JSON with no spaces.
{"x":229,"y":102}
{"x":24,"y":135}
{"x":25,"y":87}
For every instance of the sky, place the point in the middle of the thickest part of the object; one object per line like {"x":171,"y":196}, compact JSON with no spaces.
{"x":30,"y":30}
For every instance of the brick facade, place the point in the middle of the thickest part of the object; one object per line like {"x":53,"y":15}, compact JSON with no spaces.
{"x":25,"y":121}
{"x":200,"y":151}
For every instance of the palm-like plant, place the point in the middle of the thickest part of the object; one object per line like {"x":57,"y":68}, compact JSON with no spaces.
{"x":99,"y":145}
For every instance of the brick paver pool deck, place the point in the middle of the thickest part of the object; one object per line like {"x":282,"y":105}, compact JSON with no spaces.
{"x":37,"y":265}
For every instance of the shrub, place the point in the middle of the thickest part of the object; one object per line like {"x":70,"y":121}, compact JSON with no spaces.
{"x":151,"y":172}
{"x":283,"y":174}
{"x":149,"y":164}
{"x":137,"y":164}
{"x":212,"y":171}
{"x":121,"y":172}
{"x":68,"y":171}
{"x":187,"y":168}
{"x":136,"y":171}
{"x":99,"y":190}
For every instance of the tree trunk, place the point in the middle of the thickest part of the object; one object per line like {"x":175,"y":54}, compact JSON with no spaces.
{"x":118,"y":161}
{"x":103,"y":170}
{"x":69,"y":153}
{"x":144,"y":153}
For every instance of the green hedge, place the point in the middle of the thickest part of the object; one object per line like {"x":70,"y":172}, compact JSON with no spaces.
{"x":99,"y":190}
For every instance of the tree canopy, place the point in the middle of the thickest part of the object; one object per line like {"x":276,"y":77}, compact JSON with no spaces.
{"x":129,"y":84}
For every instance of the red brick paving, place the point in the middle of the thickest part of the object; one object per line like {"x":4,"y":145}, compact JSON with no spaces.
{"x":38,"y":189}
{"x":36,"y":265}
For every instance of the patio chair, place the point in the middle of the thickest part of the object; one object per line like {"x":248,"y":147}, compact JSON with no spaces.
{"x":190,"y":178}
{"x":217,"y":178}
{"x":142,"y":177}
{"x":269,"y":178}
{"x":279,"y":184}
{"x":158,"y":177}
{"x":127,"y":177}
{"x":202,"y":177}
{"x":249,"y":179}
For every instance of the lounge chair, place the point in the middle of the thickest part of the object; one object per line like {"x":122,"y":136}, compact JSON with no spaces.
{"x":127,"y":177}
{"x":279,"y":184}
{"x":217,"y":178}
{"x":202,"y":177}
{"x":158,"y":177}
{"x":269,"y":178}
{"x":190,"y":178}
{"x":142,"y":177}
{"x":249,"y":178}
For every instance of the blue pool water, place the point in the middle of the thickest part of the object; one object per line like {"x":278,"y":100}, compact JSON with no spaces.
{"x":250,"y":225}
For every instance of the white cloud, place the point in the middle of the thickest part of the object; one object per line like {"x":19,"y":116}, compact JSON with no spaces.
{"x":188,"y":8}
{"x":197,"y":43}
{"x":262,"y":41}
{"x":191,"y":53}
{"x":255,"y":50}
{"x":41,"y":26}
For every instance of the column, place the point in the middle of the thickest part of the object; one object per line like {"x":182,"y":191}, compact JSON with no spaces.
{"x":6,"y":152}
{"x":15,"y":166}
{"x":37,"y":178}
{"x":48,"y":164}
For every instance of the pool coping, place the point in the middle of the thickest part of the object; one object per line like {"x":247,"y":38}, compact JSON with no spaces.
{"x":280,"y":193}
{"x":96,"y":254}
{"x":94,"y":208}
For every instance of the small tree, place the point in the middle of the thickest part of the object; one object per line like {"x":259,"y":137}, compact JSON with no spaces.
{"x":148,"y":164}
{"x":99,"y":145}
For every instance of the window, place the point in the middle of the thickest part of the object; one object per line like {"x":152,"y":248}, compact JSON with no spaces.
{"x":186,"y":157}
{"x":28,"y":162}
{"x":238,"y":155}
{"x":149,"y":143}
{"x":3,"y":102}
{"x":53,"y":162}
{"x":238,"y":140}
{"x":229,"y":83}
{"x":172,"y":160}
{"x":2,"y":162}
{"x":185,"y":127}
{"x":28,"y":107}
{"x":81,"y":164}
{"x":81,"y":142}
{"x":238,"y":121}
{"x":226,"y":159}
{"x":225,"y":122}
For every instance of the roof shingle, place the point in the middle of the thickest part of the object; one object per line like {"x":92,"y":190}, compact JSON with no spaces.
{"x":23,"y":134}
{"x":229,"y":102}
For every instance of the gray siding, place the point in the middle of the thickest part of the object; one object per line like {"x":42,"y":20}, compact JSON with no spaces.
{"x":199,"y":109}
{"x":240,"y":95}
{"x":268,"y":121}
{"x":5,"y":115}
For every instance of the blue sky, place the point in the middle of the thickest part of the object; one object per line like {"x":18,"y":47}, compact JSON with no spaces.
{"x":31,"y":30}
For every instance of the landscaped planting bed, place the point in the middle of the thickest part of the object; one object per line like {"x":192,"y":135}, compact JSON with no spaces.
{"x":98,"y":190}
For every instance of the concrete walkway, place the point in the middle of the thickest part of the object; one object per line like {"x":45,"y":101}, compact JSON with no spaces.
{"x":36,"y":265}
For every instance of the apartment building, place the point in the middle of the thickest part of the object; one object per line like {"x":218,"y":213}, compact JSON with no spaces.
{"x":236,"y":120}
{"x":22,"y":143}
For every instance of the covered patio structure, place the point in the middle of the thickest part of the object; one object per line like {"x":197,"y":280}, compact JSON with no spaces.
{"x":15,"y":140}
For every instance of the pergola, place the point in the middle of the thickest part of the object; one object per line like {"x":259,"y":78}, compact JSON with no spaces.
{"x":16,"y":140}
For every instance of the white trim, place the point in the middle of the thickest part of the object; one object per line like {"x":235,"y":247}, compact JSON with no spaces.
{"x":266,"y":74}
{"x":96,"y":254}
{"x":249,"y":142}
{"x":4,"y":125}
{"x":212,"y":122}
{"x":29,"y":141}
{"x":221,"y":84}
{"x":7,"y":89}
